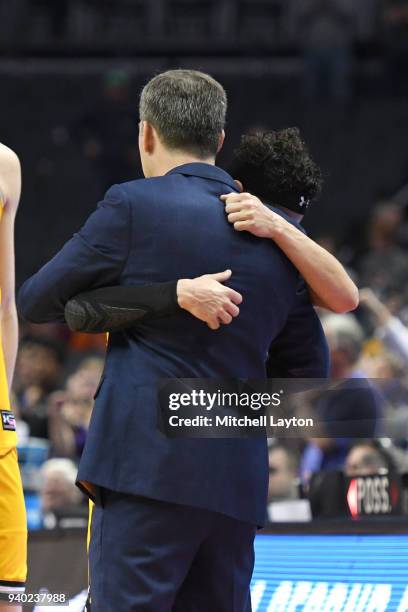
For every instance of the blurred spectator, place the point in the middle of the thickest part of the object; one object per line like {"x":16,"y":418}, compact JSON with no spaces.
{"x":352,"y":409}
{"x":58,"y":493}
{"x":389,"y":328}
{"x":70,"y":410}
{"x":396,"y":38}
{"x":385,"y":266}
{"x":325,"y":29}
{"x":345,"y":337}
{"x":284,"y":491}
{"x":58,"y":489}
{"x":82,"y":384}
{"x":367,"y":458}
{"x":108,"y":132}
{"x":283,"y":474}
{"x":38,"y":373}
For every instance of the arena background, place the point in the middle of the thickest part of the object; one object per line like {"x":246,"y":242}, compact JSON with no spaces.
{"x":70,"y":74}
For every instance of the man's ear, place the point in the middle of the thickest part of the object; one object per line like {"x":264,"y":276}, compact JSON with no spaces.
{"x":239,"y":185}
{"x":221,"y":141}
{"x":148,"y":137}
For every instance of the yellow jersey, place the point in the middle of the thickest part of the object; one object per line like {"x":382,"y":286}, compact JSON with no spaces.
{"x":13,"y":522}
{"x":8,"y":436}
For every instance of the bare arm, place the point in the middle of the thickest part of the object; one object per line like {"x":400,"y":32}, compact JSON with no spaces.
{"x":10,"y":185}
{"x":329,"y":284}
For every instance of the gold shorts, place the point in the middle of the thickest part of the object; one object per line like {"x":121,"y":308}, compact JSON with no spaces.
{"x":13,"y":525}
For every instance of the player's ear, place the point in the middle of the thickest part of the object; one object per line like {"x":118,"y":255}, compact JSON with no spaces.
{"x":239,"y":185}
{"x":221,"y":141}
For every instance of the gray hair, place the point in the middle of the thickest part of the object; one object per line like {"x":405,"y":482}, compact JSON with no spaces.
{"x":344,"y":334}
{"x":65,"y":468}
{"x":188,"y":110}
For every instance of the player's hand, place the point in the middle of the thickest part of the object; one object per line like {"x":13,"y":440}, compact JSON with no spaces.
{"x":208,"y":300}
{"x":248,"y":214}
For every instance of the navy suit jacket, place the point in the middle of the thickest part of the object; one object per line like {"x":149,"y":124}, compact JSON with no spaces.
{"x":155,"y":230}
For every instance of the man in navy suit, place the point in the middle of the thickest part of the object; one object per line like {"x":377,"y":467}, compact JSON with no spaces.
{"x":175,"y":519}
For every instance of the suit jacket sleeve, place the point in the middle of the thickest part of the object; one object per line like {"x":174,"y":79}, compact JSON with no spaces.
{"x":94,"y":257}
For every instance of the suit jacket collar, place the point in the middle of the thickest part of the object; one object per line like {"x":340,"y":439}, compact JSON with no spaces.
{"x":207,"y":171}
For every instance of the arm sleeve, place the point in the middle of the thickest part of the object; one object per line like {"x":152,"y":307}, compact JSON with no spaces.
{"x":94,"y":257}
{"x":111,"y":309}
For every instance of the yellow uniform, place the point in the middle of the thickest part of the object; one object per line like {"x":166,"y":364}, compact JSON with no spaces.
{"x":13,"y":523}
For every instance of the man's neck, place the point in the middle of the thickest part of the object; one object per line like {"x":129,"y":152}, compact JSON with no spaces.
{"x":174,"y":161}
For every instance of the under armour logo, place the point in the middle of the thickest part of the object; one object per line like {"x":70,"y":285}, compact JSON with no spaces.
{"x":304,"y":203}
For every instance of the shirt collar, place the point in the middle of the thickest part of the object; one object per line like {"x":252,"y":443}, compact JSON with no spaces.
{"x":207,"y":171}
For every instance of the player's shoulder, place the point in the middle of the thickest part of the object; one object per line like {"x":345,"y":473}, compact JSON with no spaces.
{"x":8,"y":158}
{"x":10,"y":177}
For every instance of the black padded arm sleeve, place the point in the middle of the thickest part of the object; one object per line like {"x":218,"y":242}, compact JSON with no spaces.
{"x":111,"y":309}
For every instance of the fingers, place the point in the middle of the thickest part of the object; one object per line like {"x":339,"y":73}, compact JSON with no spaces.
{"x":221,"y":277}
{"x":231,"y":294}
{"x":235,"y":197}
{"x":231,"y":208}
{"x":242,"y":226}
{"x":232,"y":309}
{"x":225,"y":317}
{"x":234,"y":296}
{"x":240,"y":216}
{"x":227,"y":312}
{"x":230,"y":196}
{"x":213,"y":324}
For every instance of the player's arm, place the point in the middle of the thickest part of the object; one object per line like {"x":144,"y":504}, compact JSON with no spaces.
{"x":111,"y":309}
{"x":10,"y":189}
{"x":329,"y":284}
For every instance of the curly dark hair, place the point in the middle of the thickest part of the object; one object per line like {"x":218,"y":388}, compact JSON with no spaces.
{"x":277,"y":167}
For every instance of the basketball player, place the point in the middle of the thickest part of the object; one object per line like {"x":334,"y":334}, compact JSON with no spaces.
{"x":13,"y":529}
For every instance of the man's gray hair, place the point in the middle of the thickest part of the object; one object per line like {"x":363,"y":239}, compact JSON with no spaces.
{"x":65,"y":468}
{"x":345,"y":334}
{"x":187,"y":108}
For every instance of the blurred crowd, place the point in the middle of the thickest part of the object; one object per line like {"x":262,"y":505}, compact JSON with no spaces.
{"x":326,"y":29}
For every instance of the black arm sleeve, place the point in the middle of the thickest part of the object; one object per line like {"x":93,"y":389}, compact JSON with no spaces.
{"x":111,"y":309}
